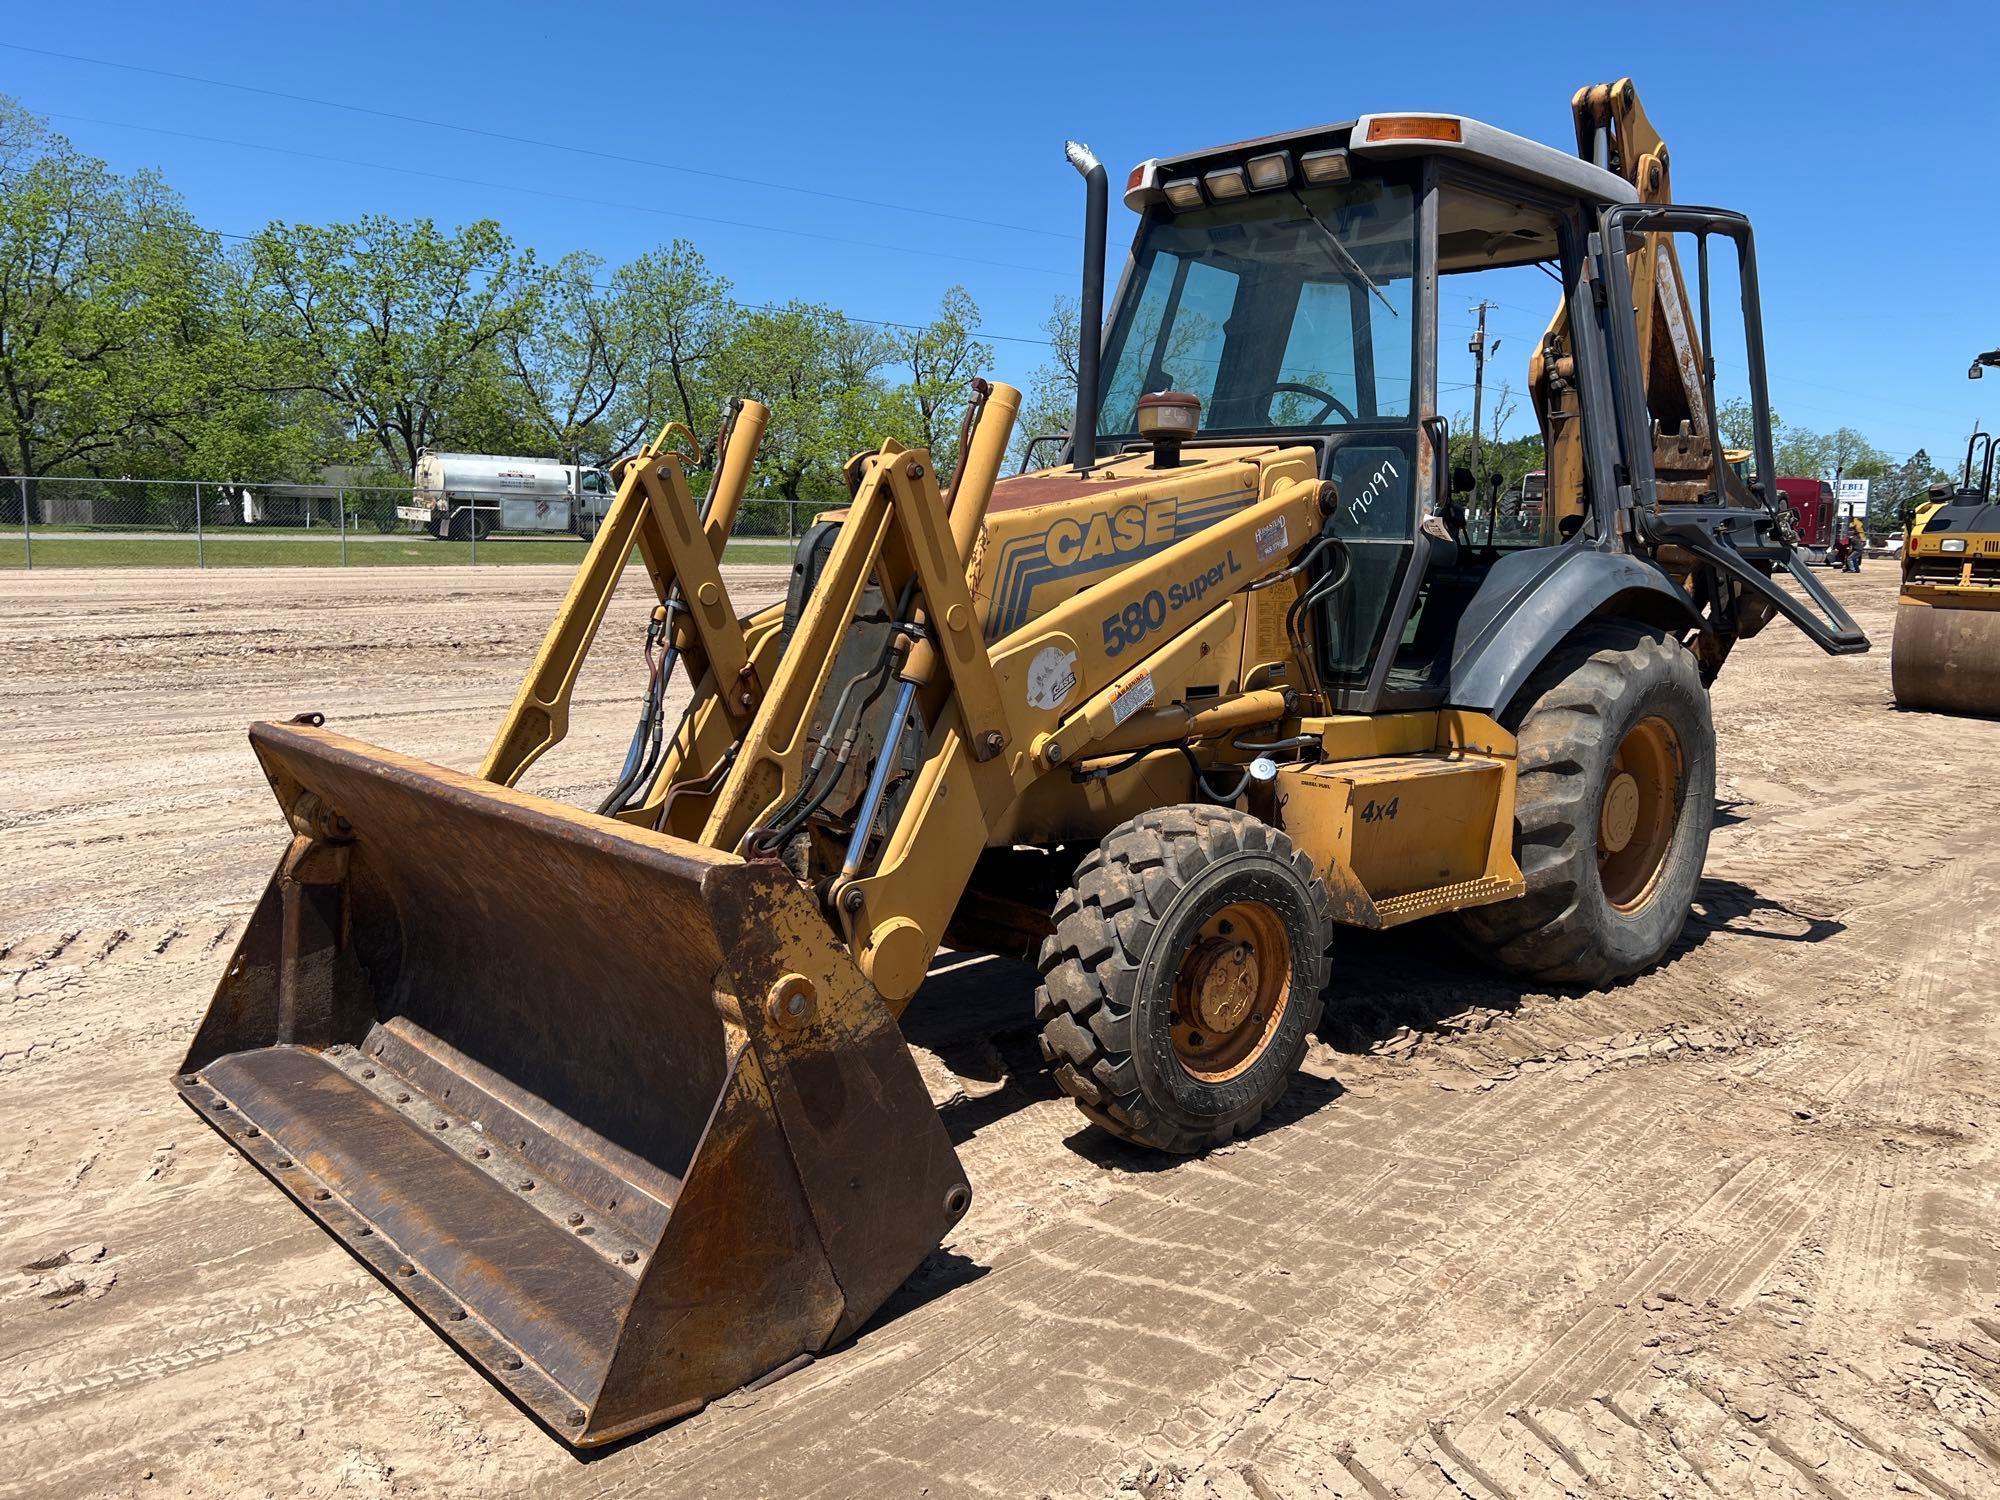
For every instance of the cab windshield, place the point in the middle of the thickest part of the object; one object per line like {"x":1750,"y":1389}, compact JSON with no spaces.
{"x":1286,"y":309}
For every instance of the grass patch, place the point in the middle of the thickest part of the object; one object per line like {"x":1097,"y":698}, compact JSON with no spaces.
{"x":278,"y":552}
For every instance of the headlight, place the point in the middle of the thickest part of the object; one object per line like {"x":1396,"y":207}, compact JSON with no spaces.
{"x":1226,"y":183}
{"x":1952,"y":544}
{"x":1324,"y":166}
{"x":1270,"y":171}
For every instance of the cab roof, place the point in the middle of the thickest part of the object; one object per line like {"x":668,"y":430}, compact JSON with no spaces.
{"x":1388,"y":137}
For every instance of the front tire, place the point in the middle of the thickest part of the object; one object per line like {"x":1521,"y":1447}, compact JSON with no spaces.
{"x":1184,"y":977}
{"x":1614,"y":803}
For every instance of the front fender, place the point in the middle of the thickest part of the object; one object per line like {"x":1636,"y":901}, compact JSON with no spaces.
{"x":1533,"y":599}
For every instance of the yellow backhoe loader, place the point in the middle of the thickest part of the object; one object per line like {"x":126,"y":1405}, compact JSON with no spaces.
{"x":1946,"y":651}
{"x":618,"y":1099}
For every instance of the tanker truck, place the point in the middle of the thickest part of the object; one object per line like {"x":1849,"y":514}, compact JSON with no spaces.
{"x":461,"y":495}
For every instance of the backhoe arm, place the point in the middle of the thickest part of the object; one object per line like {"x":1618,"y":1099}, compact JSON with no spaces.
{"x":1613,"y":132}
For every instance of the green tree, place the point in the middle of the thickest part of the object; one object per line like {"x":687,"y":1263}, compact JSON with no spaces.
{"x":943,"y":356}
{"x":402,"y":325}
{"x":110,"y":304}
{"x":821,"y":374}
{"x":1891,"y":500}
{"x":683,"y":327}
{"x":1736,"y":424}
{"x":1048,"y":402}
{"x":572,"y":354}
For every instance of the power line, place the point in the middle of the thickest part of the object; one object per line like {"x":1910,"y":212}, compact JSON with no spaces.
{"x":523,"y":140}
{"x":508,"y":187}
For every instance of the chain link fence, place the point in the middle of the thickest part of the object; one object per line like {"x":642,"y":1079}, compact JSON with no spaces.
{"x":65,"y":522}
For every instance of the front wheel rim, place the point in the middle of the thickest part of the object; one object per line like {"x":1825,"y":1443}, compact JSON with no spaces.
{"x":1230,"y":991}
{"x":1639,"y":811}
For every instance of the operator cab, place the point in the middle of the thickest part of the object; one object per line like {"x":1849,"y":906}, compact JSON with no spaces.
{"x":1293,"y":285}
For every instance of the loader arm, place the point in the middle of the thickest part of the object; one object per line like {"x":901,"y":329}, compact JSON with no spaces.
{"x":682,"y":552}
{"x":988,"y":721}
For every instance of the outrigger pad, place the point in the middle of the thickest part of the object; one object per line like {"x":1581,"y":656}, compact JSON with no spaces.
{"x":615,"y":1112}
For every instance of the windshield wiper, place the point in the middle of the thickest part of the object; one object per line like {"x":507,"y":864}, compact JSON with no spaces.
{"x":1353,"y":266}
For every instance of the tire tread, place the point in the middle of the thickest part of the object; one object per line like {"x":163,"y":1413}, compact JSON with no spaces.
{"x":1090,"y":965}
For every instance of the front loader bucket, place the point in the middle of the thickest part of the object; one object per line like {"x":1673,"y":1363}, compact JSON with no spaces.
{"x":613,"y":1111}
{"x":1946,"y":655}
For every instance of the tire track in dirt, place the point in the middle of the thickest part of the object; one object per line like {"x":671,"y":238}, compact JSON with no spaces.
{"x":1233,"y":1181}
{"x":1380,"y":1261}
{"x":241,"y":1330}
{"x":1604,"y":1350}
{"x":50,"y":983}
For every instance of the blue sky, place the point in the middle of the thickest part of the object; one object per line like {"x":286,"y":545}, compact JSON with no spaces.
{"x":1860,"y":139}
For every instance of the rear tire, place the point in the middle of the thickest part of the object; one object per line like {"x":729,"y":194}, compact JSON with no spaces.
{"x":1184,"y":977}
{"x":1614,"y":803}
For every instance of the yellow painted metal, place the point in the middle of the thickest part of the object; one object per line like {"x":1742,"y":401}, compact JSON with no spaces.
{"x":1423,"y":825}
{"x":979,"y":468}
{"x":1945,"y":655}
{"x":1400,"y":823}
{"x":1148,"y":705}
{"x":654,"y":511}
{"x":1127,"y":613}
{"x":957,"y":800}
{"x":772,"y":758}
{"x":1230,"y":992}
{"x":706,"y":629}
{"x":1057,"y":810}
{"x":1641,"y":805}
{"x":733,"y":469}
{"x":1669,"y":350}
{"x":1050,"y":535}
{"x":682,"y":793}
{"x":1354,"y":736}
{"x":1207,"y":718}
{"x":971,"y":489}
{"x":918,"y":520}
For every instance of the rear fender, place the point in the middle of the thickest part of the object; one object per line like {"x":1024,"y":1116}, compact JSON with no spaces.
{"x":1533,"y":599}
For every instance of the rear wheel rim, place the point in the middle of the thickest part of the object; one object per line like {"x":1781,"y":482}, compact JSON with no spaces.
{"x":1230,"y":991}
{"x":1639,"y":812}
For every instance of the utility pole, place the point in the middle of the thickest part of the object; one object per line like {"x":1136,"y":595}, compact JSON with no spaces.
{"x":1480,"y":349}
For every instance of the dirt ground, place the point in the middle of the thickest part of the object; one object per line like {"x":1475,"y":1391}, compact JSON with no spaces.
{"x":1732,"y":1229}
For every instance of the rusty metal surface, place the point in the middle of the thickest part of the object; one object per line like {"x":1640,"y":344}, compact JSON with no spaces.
{"x":1946,"y":658}
{"x":876,"y":1164}
{"x":470,"y":1231}
{"x":494,"y":1045}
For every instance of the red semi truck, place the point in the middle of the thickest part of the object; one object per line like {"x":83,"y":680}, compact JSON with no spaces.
{"x":1812,"y":502}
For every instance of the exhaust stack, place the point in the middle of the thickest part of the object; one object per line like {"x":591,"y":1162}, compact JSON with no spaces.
{"x":1090,"y":309}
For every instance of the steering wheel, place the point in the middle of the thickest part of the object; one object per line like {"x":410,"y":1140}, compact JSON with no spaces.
{"x":1333,"y":402}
